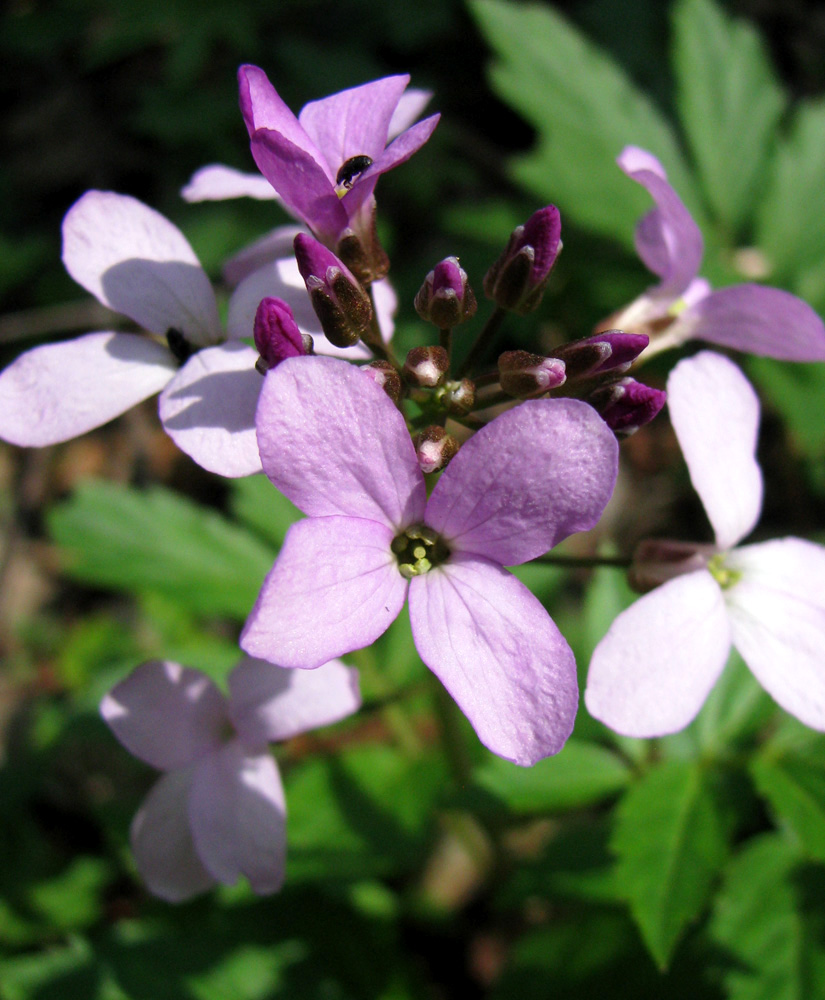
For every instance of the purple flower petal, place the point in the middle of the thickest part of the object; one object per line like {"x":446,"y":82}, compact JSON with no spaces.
{"x":208,"y":409}
{"x":385,"y":304}
{"x":530,"y":478}
{"x":715,"y":414}
{"x":757,"y":320}
{"x":135,"y":261}
{"x":354,"y":122}
{"x":217,"y":182}
{"x":162,"y":841}
{"x":166,"y":714}
{"x":302,"y":183}
{"x":58,"y":391}
{"x":269,"y":249}
{"x":262,"y":108}
{"x":332,"y":441}
{"x":335,"y":587}
{"x":498,"y":653}
{"x":410,"y":105}
{"x":269,"y":703}
{"x":667,"y":239}
{"x":777,"y":614}
{"x":237,"y":814}
{"x":654,"y":669}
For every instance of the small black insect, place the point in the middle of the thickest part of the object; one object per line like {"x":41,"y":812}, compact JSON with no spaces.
{"x":180,"y":347}
{"x":351,"y":169}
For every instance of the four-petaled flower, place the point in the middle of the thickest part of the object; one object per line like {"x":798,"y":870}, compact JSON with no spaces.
{"x":653,"y":670}
{"x":333,"y":442}
{"x":218,"y":812}
{"x":748,"y":317}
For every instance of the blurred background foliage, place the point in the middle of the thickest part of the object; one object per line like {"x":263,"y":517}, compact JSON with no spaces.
{"x":420,"y":866}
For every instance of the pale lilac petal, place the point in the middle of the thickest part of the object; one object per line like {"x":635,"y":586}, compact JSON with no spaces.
{"x":398,"y":151}
{"x":715,"y":414}
{"x":667,"y":239}
{"x":332,"y":441}
{"x":208,"y":409}
{"x":496,"y":650}
{"x":410,"y":105}
{"x":135,"y":261}
{"x":217,"y":182}
{"x":58,"y":391}
{"x":269,"y":703}
{"x":757,"y":320}
{"x":385,"y":304}
{"x":354,"y":122}
{"x":335,"y":588}
{"x":531,"y":477}
{"x":654,"y":669}
{"x":262,"y":107}
{"x":268,"y":249}
{"x":166,"y":714}
{"x":162,"y":841}
{"x":301,"y":182}
{"x":777,"y":612}
{"x":237,"y":813}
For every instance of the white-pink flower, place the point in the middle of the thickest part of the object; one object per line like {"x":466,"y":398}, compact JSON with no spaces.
{"x":651,"y":673}
{"x":218,"y":812}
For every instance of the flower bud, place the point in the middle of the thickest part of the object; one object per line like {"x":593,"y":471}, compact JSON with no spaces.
{"x":434,"y":448}
{"x":626,"y":405}
{"x":277,"y":336}
{"x":526,"y":375}
{"x":385,"y":375}
{"x":340,"y":303}
{"x":426,"y":366}
{"x":612,"y":351}
{"x":446,"y":299}
{"x":457,"y":397}
{"x":657,"y":560}
{"x":518,"y":278}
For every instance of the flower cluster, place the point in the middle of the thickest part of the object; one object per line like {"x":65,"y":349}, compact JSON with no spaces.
{"x":422,"y":478}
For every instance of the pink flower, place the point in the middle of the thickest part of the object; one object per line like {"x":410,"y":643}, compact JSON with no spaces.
{"x":218,"y":812}
{"x":748,"y":317}
{"x":653,"y":670}
{"x":333,"y":442}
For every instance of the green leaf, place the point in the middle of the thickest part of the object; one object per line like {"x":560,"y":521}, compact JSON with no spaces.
{"x":257,"y":503}
{"x":729,"y":101}
{"x":756,"y":920}
{"x":797,"y":391}
{"x":155,"y":540}
{"x":792,"y":236}
{"x":735,"y":709}
{"x":583,"y":773}
{"x":670,"y":843}
{"x":794,"y":785}
{"x":585,"y":109}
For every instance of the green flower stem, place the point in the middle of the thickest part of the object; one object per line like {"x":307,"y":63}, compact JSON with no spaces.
{"x":482,"y":341}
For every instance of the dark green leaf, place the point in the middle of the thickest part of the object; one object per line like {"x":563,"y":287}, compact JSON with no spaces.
{"x":794,"y":785}
{"x":670,"y":843}
{"x":257,"y":503}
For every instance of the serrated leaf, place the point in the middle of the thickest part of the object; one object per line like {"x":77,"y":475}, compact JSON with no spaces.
{"x":155,"y":540}
{"x":585,"y":109}
{"x":729,"y":101}
{"x":756,"y":920}
{"x":583,"y":773}
{"x":794,"y":785}
{"x":791,"y":235}
{"x":670,"y":843}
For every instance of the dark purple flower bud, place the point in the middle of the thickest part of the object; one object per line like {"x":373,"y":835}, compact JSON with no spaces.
{"x":612,"y":351}
{"x":518,"y":278}
{"x":434,"y":448}
{"x":657,"y":560}
{"x":385,"y":374}
{"x":446,"y":298}
{"x":426,"y":366}
{"x":526,"y":375}
{"x":626,"y":405}
{"x":340,"y":303}
{"x":277,"y":336}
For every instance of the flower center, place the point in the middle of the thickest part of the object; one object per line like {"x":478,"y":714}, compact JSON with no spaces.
{"x":721,"y":573}
{"x":418,"y":550}
{"x":180,"y":347}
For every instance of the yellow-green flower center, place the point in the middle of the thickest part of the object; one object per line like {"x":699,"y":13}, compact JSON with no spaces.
{"x":418,"y":550}
{"x":722,"y":574}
